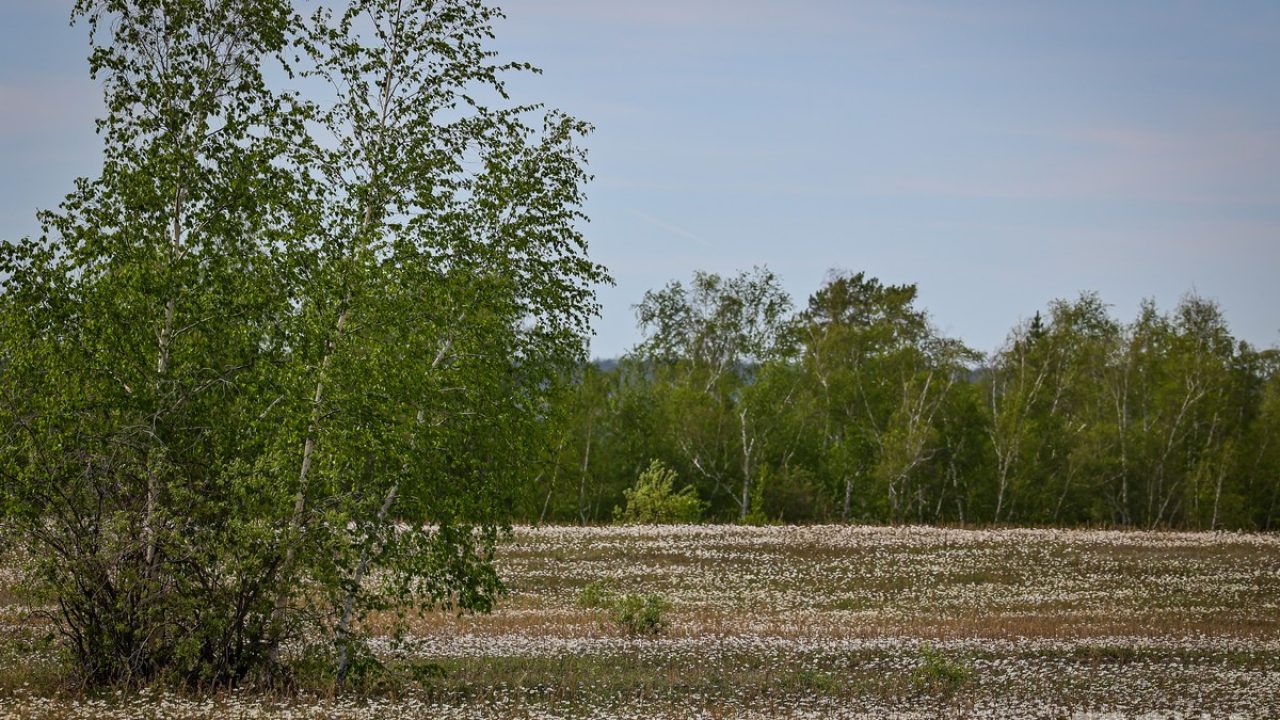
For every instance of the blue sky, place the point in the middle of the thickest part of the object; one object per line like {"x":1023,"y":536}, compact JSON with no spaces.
{"x":998,"y":154}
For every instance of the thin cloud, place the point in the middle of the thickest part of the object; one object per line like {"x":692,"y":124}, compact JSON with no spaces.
{"x":665,"y":13}
{"x":669,"y":227}
{"x":1209,"y":166}
{"x":40,"y":110}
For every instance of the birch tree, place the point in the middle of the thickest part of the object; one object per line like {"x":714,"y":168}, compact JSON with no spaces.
{"x":880,"y":373}
{"x":297,"y":335}
{"x":137,"y":332}
{"x":704,"y":343}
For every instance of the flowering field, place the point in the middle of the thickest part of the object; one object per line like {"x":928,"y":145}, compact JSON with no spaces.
{"x":809,"y":622}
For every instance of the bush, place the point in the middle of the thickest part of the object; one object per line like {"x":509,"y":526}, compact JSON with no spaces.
{"x":939,"y":673}
{"x":642,"y":615}
{"x":653,"y":500}
{"x":635,"y":614}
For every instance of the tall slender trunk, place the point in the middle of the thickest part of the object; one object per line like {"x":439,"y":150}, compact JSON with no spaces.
{"x":1120,"y":394}
{"x":153,"y":478}
{"x":1003,"y":448}
{"x":555,"y":475}
{"x":1271,"y":507}
{"x":1217,"y":496}
{"x":313,"y":427}
{"x":1275,"y":485}
{"x":309,"y":444}
{"x":745,"y":508}
{"x":298,"y":515}
{"x":582,"y":478}
{"x":848,"y":498}
{"x":1062,"y":497}
{"x":163,"y":358}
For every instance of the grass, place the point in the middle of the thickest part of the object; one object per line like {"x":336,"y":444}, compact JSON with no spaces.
{"x":829,"y":621}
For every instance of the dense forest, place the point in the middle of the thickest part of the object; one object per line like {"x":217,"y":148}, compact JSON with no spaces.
{"x":855,"y":408}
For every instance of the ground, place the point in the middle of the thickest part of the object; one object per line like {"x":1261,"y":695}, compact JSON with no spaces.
{"x":811,"y":622}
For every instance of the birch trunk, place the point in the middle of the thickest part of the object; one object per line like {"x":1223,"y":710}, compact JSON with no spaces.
{"x":348,"y":603}
{"x":746,"y":468}
{"x":163,"y":354}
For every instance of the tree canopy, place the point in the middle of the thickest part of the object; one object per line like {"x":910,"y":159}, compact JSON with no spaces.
{"x":856,"y":408}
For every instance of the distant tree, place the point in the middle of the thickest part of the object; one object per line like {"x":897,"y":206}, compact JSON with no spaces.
{"x":1261,"y":463}
{"x":962,"y":462}
{"x":879,"y":373}
{"x":1184,"y":433}
{"x":1093,"y":421}
{"x":1048,"y":408}
{"x":859,"y":409}
{"x":603,"y":432}
{"x":703,"y":344}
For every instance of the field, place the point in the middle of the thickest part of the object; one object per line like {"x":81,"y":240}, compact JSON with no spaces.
{"x":811,"y":622}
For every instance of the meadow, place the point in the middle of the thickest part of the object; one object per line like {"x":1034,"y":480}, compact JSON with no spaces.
{"x":791,"y":622}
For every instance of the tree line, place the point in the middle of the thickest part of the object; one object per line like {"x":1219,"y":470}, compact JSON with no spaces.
{"x":855,"y":408}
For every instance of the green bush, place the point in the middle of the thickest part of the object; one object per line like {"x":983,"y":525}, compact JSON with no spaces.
{"x":653,"y":500}
{"x":642,"y":615}
{"x":939,"y":673}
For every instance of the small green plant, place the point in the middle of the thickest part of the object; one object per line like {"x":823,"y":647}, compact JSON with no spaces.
{"x":814,"y":681}
{"x":939,"y":673}
{"x":596,"y":594}
{"x":642,"y":615}
{"x":757,"y":515}
{"x":426,"y":673}
{"x":654,"y":500}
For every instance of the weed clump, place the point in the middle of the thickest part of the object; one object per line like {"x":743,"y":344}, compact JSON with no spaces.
{"x":596,"y":594}
{"x":938,"y":673}
{"x":641,"y":615}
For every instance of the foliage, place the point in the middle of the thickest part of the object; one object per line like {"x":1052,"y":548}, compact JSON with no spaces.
{"x":301,"y":329}
{"x":856,"y":408}
{"x":939,"y":673}
{"x":653,"y":500}
{"x":634,"y":613}
{"x":641,"y":615}
{"x":703,"y":343}
{"x":596,"y":594}
{"x":879,"y":375}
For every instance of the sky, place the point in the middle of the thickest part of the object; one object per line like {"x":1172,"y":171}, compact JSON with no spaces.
{"x":998,"y":154}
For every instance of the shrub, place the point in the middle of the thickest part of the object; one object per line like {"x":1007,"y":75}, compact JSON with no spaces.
{"x":642,"y":615}
{"x":939,"y":673}
{"x":654,"y":500}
